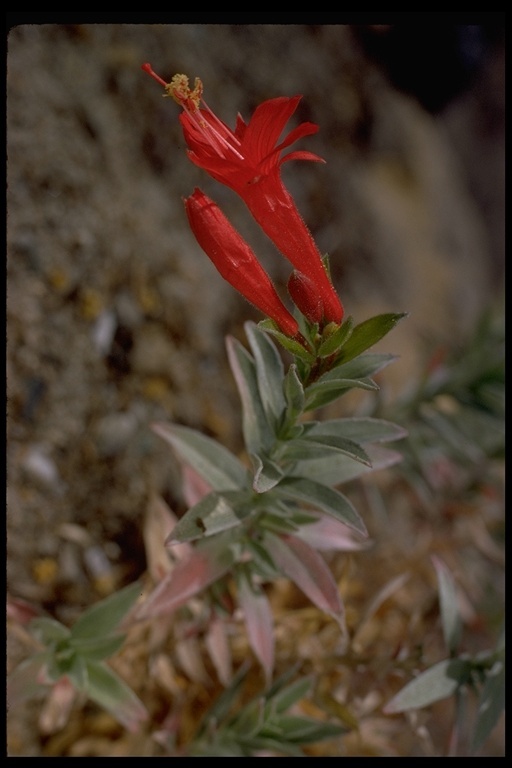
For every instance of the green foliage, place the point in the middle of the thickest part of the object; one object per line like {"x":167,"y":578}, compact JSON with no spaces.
{"x":264,"y":724}
{"x":78,"y":654}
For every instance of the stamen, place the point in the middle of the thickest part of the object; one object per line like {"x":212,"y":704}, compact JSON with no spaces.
{"x":180,"y":91}
{"x":147,"y":68}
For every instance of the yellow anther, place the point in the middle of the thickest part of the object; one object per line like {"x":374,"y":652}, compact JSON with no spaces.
{"x":180,"y":91}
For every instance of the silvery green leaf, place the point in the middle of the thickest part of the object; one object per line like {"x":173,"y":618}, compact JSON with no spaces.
{"x":218,"y":466}
{"x":102,"y":618}
{"x":323,"y":392}
{"x":267,"y":474}
{"x":359,"y":368}
{"x":294,"y":394}
{"x":338,"y":469}
{"x":96,"y":649}
{"x":109,"y":691}
{"x":321,"y":497}
{"x":313,"y":446}
{"x":292,"y":346}
{"x":258,"y":434}
{"x":491,"y":704}
{"x":438,"y":682}
{"x":269,"y":372}
{"x":48,"y":630}
{"x":214,"y":513}
{"x":450,"y":616}
{"x":362,"y":430}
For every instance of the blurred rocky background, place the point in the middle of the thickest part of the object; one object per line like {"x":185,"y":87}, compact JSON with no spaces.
{"x":115,"y":318}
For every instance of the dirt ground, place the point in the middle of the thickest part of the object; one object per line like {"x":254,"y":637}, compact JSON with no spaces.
{"x":116,"y":319}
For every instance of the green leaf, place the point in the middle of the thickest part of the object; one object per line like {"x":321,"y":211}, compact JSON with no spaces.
{"x":269,"y":372}
{"x":361,"y":430}
{"x":368,"y":333}
{"x":490,"y":705}
{"x":109,"y":691}
{"x":218,"y":466}
{"x":318,"y":446}
{"x":338,"y":468}
{"x":267,"y":474}
{"x":294,"y":395}
{"x":450,"y":616}
{"x":336,"y":340}
{"x":360,"y":368}
{"x":287,"y":697}
{"x":296,"y":349}
{"x":304,"y":730}
{"x":323,"y":392}
{"x":258,"y":434}
{"x":438,"y":682}
{"x":213,"y":514}
{"x":22,"y":682}
{"x":48,"y":630}
{"x":321,"y":497}
{"x":102,"y":618}
{"x":97,"y":649}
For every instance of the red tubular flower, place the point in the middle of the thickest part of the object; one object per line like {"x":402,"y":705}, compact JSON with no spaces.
{"x":248,"y":160}
{"x":235,"y":260}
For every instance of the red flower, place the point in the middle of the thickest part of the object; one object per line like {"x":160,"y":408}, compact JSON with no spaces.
{"x":248,"y":160}
{"x":235,"y":260}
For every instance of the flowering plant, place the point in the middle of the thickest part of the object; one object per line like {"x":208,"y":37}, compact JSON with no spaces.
{"x":272,"y":513}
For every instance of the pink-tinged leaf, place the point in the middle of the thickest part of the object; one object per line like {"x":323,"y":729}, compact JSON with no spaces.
{"x":190,"y":576}
{"x":303,"y":565}
{"x":57,"y":707}
{"x":194,"y":486}
{"x":327,"y":533}
{"x":20,"y":611}
{"x":260,"y":624}
{"x":217,"y":645}
{"x":27,"y":680}
{"x":158,"y":523}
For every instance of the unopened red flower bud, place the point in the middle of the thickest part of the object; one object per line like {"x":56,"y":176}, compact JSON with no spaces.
{"x":235,"y":260}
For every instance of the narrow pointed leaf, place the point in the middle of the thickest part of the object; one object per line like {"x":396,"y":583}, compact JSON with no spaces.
{"x":48,"y":630}
{"x":326,"y":533}
{"x":258,"y":435}
{"x":218,"y":466}
{"x":450,"y":616}
{"x":97,"y":649}
{"x":113,"y":694}
{"x":290,"y":345}
{"x":360,"y":429}
{"x":338,"y":469}
{"x":314,"y":446}
{"x":304,"y":566}
{"x":359,"y":368}
{"x":287,"y":697}
{"x":103,"y":617}
{"x":333,"y":342}
{"x":490,"y":705}
{"x":213,"y":514}
{"x":269,"y":372}
{"x":368,"y":333}
{"x":294,"y":394}
{"x":267,"y":474}
{"x":189,"y":577}
{"x":436,"y":683}
{"x":324,"y":392}
{"x":24,"y":682}
{"x":321,"y":497}
{"x":260,"y":624}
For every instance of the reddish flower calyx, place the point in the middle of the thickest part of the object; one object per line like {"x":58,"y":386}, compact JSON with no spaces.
{"x":306,"y":297}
